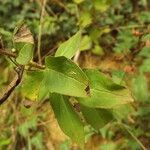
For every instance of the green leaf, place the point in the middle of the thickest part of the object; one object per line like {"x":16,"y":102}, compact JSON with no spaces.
{"x":145,"y":67}
{"x":24,"y":128}
{"x":102,"y":5}
{"x":145,"y":52}
{"x":97,"y":118}
{"x":70,"y":47}
{"x":37,"y":141}
{"x":32,"y":87}
{"x":98,"y":50}
{"x":144,"y":17}
{"x":24,"y":43}
{"x":25,"y":54}
{"x":104,"y":93}
{"x":86,"y":43}
{"x":140,"y":88}
{"x":78,"y":1}
{"x":65,"y":77}
{"x":143,"y":111}
{"x":65,"y":145}
{"x":4,"y":142}
{"x":61,"y":76}
{"x":108,"y":146}
{"x":85,"y":19}
{"x":125,"y":41}
{"x":146,"y":37}
{"x":118,"y":76}
{"x":122,"y":112}
{"x":67,"y":119}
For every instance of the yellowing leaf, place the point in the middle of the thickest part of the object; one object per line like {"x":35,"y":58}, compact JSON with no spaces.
{"x":32,"y":84}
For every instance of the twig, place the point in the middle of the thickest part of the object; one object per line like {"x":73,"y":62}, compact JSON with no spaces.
{"x":36,"y":65}
{"x":1,"y":43}
{"x":7,"y":53}
{"x":130,"y":26}
{"x":76,"y":57}
{"x":49,"y":52}
{"x":19,"y":70}
{"x":61,"y":5}
{"x":14,"y":55}
{"x":133,"y":136}
{"x":123,"y":27}
{"x":40,"y":32}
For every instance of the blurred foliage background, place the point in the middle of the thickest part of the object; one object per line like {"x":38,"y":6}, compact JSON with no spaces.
{"x":116,"y":40}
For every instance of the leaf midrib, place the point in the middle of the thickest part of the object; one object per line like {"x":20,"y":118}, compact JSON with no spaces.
{"x":107,"y":91}
{"x":70,"y":116}
{"x":68,"y":77}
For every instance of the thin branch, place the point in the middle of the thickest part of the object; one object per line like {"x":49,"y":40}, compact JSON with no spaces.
{"x":36,"y":65}
{"x":130,"y":26}
{"x":133,"y":136}
{"x":76,"y":57}
{"x":61,"y":5}
{"x":7,"y":53}
{"x":40,"y":32}
{"x":19,"y":70}
{"x":1,"y":42}
{"x":14,"y":55}
{"x":49,"y":52}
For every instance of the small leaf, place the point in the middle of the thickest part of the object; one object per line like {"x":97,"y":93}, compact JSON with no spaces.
{"x":78,"y":1}
{"x":24,"y":128}
{"x":144,"y":17}
{"x":67,"y":119}
{"x":86,"y":43}
{"x":24,"y":43}
{"x":22,"y":35}
{"x":122,"y":112}
{"x":140,"y":88}
{"x":108,"y":146}
{"x":145,"y":67}
{"x":118,"y":76}
{"x":4,"y":142}
{"x":37,"y":141}
{"x":98,"y":118}
{"x":32,"y":85}
{"x":70,"y":47}
{"x":98,"y":50}
{"x":104,"y":93}
{"x":25,"y":54}
{"x":146,"y":37}
{"x":64,"y":77}
{"x":125,"y":41}
{"x":145,"y":52}
{"x":102,"y":5}
{"x":85,"y":19}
